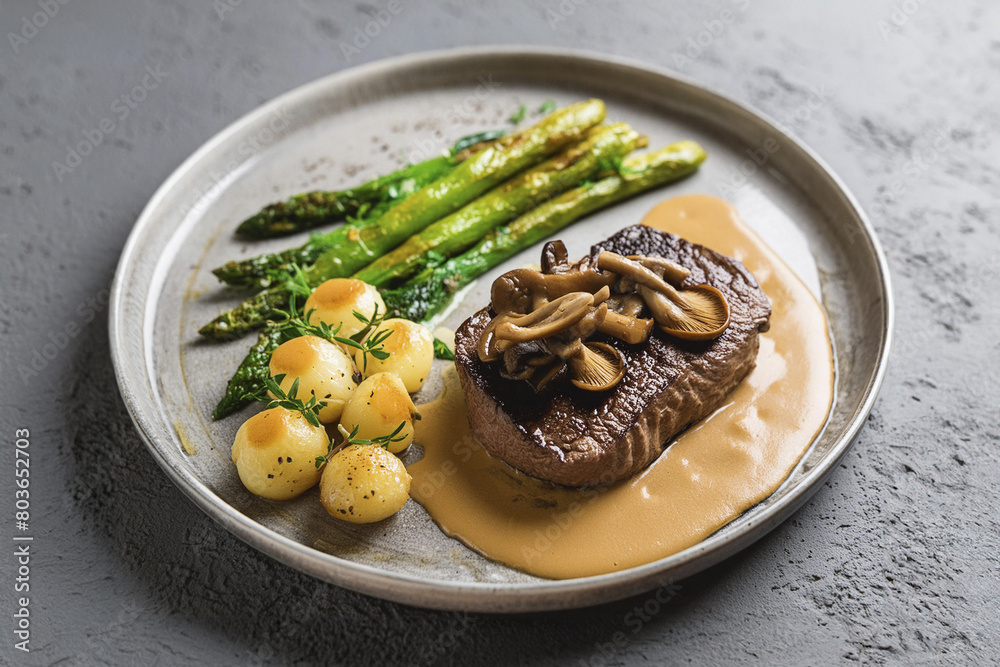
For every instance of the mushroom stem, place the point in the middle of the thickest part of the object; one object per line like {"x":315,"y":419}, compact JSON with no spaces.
{"x":615,"y":263}
{"x":632,"y":330}
{"x":672,"y":272}
{"x":550,"y":319}
{"x":630,"y":304}
{"x":543,"y":375}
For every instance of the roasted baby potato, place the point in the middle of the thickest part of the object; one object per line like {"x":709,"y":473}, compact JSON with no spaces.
{"x":364,"y":484}
{"x":323,"y":370}
{"x":275,"y":453}
{"x":378,"y":406}
{"x":411,"y":353}
{"x":335,"y":301}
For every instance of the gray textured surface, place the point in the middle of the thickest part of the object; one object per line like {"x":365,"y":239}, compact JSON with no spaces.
{"x":895,"y":561}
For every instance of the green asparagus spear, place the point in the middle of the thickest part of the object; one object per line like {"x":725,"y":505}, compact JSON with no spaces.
{"x":470,"y":179}
{"x":250,"y":376}
{"x":475,"y":142}
{"x":267,"y":270}
{"x":310,"y":209}
{"x":430,"y":292}
{"x":460,"y":230}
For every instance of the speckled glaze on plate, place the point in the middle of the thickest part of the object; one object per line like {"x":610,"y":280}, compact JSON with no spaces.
{"x":365,"y":121}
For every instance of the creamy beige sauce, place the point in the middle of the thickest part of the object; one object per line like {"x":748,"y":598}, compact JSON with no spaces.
{"x":707,"y":477}
{"x":186,"y":442}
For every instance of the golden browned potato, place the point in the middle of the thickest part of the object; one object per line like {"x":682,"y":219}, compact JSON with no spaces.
{"x":323,"y":370}
{"x":411,"y":353}
{"x":378,"y":406}
{"x":335,"y":301}
{"x":364,"y":484}
{"x":275,"y":453}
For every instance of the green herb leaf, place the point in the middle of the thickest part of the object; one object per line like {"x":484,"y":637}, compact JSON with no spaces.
{"x":290,"y":401}
{"x":548,"y":106}
{"x":518,"y":115}
{"x":442,"y":351}
{"x":296,"y":282}
{"x":380,"y":441}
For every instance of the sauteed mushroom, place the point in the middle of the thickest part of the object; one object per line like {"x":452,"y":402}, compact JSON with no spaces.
{"x":701,"y":314}
{"x":630,"y":305}
{"x":552,"y":318}
{"x":632,"y":330}
{"x":555,"y":259}
{"x":523,"y":290}
{"x":543,"y":319}
{"x":596,"y":367}
{"x":672,"y":272}
{"x":695,"y":313}
{"x":521,"y":361}
{"x":544,"y":375}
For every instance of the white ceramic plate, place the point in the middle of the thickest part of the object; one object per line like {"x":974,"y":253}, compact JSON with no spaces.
{"x":362,"y":122}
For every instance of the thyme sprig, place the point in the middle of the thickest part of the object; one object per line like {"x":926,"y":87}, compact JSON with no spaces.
{"x":382,"y":440}
{"x":518,"y":115}
{"x":295,"y":281}
{"x":351,"y":438}
{"x":278,"y":398}
{"x":369,"y":343}
{"x":303,"y":326}
{"x":442,"y":351}
{"x":371,"y":339}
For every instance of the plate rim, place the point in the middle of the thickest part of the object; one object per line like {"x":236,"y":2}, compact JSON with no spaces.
{"x":483,"y":596}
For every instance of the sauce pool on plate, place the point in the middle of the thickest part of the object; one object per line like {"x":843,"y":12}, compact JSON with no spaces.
{"x":706,"y":477}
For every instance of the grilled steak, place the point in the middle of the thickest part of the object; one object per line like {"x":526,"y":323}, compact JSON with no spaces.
{"x":579,"y":438}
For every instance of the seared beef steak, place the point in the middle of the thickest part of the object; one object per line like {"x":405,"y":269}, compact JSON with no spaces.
{"x":579,"y":438}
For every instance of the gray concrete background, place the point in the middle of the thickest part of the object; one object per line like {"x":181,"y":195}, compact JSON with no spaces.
{"x":894,"y":561}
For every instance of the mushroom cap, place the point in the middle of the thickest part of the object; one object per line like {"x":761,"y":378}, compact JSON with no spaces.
{"x":552,"y":318}
{"x":555,"y":258}
{"x":698,"y":313}
{"x":597,"y":367}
